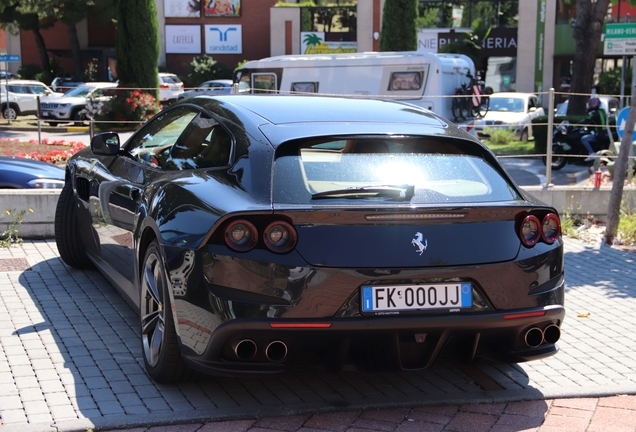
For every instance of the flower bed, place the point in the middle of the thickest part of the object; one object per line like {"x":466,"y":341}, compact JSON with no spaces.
{"x":51,"y":151}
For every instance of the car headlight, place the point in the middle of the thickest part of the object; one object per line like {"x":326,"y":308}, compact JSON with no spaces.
{"x":46,"y":183}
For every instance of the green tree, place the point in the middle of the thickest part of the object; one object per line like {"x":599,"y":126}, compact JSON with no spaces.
{"x":399,"y":30}
{"x":70,"y":12}
{"x":588,"y":26}
{"x":29,"y":15}
{"x":137,"y":45}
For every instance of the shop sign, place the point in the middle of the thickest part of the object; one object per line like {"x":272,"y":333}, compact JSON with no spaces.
{"x":314,"y":43}
{"x":619,"y":39}
{"x":181,"y":8}
{"x":183,"y":39}
{"x":224,"y":39}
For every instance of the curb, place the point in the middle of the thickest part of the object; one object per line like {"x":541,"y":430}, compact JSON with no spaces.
{"x":80,"y":129}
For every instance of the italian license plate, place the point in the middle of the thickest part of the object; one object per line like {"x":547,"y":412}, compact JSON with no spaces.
{"x":396,"y":298}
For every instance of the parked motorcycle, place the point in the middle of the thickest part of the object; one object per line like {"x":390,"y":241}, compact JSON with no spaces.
{"x":568,"y":148}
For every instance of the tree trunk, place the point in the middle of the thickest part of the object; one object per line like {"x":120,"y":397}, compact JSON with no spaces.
{"x":44,"y":55}
{"x":78,"y":65}
{"x":620,"y":172}
{"x":587,"y":35}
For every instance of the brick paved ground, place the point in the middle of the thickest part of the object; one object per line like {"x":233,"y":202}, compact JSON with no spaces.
{"x":70,"y":359}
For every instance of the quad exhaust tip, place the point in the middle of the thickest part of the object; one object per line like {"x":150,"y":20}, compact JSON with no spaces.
{"x":245,"y":349}
{"x":276,"y":351}
{"x":536,"y":337}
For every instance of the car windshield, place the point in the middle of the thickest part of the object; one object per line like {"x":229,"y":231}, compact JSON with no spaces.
{"x":80,"y":91}
{"x":506,"y":104}
{"x":380,"y":170}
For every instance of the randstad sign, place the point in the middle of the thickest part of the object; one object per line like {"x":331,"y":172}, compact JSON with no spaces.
{"x":314,"y":43}
{"x":224,"y":39}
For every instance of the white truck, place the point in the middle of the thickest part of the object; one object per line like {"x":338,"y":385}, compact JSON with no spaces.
{"x":420,"y":78}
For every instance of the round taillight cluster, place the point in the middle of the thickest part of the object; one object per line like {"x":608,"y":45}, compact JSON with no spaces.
{"x":241,"y":235}
{"x":532,"y":230}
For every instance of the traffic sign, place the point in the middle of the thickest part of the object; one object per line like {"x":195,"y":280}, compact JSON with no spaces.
{"x":619,"y":39}
{"x":621,"y":122}
{"x":10,"y":58}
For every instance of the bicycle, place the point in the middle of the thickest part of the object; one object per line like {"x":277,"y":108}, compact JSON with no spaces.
{"x":471,"y":99}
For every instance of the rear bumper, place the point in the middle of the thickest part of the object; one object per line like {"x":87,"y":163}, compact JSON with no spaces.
{"x":406,"y":342}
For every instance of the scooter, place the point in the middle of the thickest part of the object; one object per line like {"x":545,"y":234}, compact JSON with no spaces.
{"x":568,"y":148}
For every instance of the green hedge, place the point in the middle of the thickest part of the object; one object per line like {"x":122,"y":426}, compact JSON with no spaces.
{"x":540,"y":128}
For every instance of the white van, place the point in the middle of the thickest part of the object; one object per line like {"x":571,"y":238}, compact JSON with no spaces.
{"x":420,"y":78}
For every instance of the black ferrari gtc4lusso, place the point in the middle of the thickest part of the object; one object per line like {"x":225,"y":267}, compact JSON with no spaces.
{"x":253,"y":231}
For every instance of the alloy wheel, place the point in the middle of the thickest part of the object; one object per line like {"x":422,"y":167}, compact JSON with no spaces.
{"x":152,"y":309}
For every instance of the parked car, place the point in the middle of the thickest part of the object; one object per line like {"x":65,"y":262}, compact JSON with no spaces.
{"x":170,"y":87}
{"x":510,"y":110}
{"x":22,"y":97}
{"x":4,"y":75}
{"x":214,"y":87}
{"x":253,"y":231}
{"x":610,"y":104}
{"x":18,"y":173}
{"x":64,"y":85}
{"x":70,"y":106}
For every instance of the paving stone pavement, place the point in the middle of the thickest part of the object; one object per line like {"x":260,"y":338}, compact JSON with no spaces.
{"x":70,"y":359}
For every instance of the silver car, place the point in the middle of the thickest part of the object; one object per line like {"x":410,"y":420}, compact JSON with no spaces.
{"x":70,"y":107}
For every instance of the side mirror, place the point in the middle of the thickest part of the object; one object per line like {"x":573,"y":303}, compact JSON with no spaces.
{"x":532,"y":109}
{"x":105,"y":144}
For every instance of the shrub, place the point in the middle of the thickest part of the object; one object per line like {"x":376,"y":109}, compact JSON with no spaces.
{"x":399,"y":31}
{"x":500,"y":136}
{"x":29,"y":71}
{"x":126,"y":108}
{"x":205,"y":68}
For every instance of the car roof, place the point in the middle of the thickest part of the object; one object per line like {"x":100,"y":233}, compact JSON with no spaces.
{"x":98,"y":84}
{"x":518,"y":95}
{"x":285,"y":109}
{"x":21,"y":81}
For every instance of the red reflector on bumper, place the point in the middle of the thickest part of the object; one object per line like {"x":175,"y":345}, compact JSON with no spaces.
{"x":300,"y":325}
{"x":524,"y":315}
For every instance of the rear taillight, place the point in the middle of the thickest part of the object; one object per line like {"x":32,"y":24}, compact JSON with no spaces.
{"x":182,"y":85}
{"x":534,"y":229}
{"x":279,"y":237}
{"x":164,"y":86}
{"x":550,"y":228}
{"x":241,"y":235}
{"x":529,"y":231}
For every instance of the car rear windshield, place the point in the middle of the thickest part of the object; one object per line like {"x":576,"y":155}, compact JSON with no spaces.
{"x":371,"y":170}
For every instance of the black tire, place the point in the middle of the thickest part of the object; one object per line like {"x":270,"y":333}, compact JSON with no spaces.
{"x":466,"y":107}
{"x":558,"y":159}
{"x":482,"y":109}
{"x":77,"y":117}
{"x":9,"y":112}
{"x":159,"y":343}
{"x":67,"y":236}
{"x":455,"y":109}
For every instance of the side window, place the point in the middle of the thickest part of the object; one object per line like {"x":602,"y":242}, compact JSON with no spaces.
{"x":405,"y":81}
{"x":38,"y":90}
{"x":19,"y":89}
{"x":204,"y":144}
{"x":264,"y":83}
{"x":153,"y":143}
{"x":304,"y":87}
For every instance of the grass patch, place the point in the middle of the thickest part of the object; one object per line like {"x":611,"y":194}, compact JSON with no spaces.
{"x":511,"y":148}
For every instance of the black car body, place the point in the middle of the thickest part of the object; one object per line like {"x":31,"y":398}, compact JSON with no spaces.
{"x":254,"y":231}
{"x":20,"y":173}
